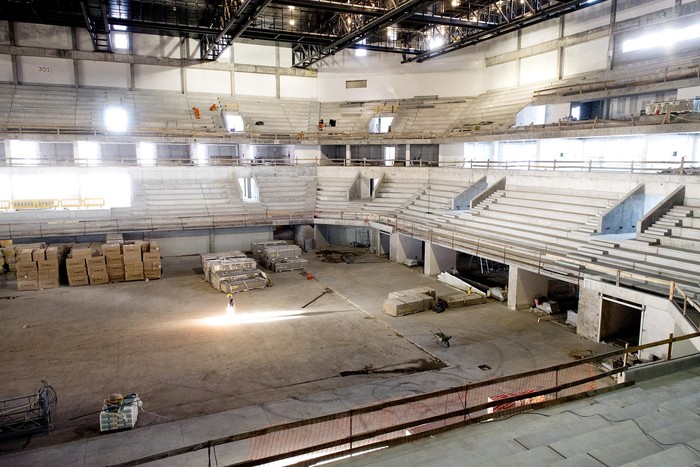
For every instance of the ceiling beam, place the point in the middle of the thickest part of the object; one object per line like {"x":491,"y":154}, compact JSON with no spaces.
{"x":399,"y":13}
{"x":564,"y":7}
{"x":241,"y":19}
{"x":365,"y":10}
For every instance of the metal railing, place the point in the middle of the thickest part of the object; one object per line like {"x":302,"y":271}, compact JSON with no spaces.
{"x":671,"y":166}
{"x":53,"y":203}
{"x":407,"y":419}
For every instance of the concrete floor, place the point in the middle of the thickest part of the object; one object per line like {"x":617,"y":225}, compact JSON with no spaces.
{"x":165,"y":340}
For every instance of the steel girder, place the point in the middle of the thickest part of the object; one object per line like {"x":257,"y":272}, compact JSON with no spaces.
{"x":399,"y":13}
{"x":505,"y":19}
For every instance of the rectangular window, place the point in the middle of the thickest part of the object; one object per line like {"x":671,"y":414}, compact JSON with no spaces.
{"x":249,"y":189}
{"x":355,"y":84}
{"x":380,"y":124}
{"x":24,"y":152}
{"x":87,"y":153}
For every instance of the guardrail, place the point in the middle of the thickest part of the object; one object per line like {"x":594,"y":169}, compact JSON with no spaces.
{"x":55,"y":203}
{"x":404,"y":420}
{"x":678,"y":166}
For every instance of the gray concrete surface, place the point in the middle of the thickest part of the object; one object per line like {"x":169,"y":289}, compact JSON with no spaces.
{"x":202,"y":378}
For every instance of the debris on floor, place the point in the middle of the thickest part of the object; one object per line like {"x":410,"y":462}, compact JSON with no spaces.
{"x":578,"y":354}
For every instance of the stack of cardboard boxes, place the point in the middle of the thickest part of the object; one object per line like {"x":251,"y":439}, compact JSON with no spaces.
{"x":114,"y":262}
{"x":133,"y":263}
{"x":37,"y":268}
{"x":151,"y":261}
{"x":76,"y":266}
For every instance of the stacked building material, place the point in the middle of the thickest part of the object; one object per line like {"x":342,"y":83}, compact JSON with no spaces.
{"x":133,"y":263}
{"x":406,"y":302}
{"x":459,"y":299}
{"x":232,"y":271}
{"x":258,"y":247}
{"x":76,"y":266}
{"x":151,"y":262}
{"x":280,"y":258}
{"x":114,"y":260}
{"x":97,"y":270}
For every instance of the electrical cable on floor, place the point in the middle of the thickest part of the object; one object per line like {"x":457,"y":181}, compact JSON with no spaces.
{"x":609,"y":420}
{"x":691,"y":448}
{"x":156,"y":415}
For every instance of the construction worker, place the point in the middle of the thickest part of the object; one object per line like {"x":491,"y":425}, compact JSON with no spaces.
{"x":231,"y":308}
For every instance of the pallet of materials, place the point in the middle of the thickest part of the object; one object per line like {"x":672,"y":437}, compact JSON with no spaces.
{"x":408,"y":304}
{"x":461,"y":299}
{"x":291,"y":264}
{"x":119,"y":413}
{"x":280,"y":258}
{"x":230,"y":285}
{"x":258,"y":247}
{"x":414,"y":291}
{"x":232,"y":271}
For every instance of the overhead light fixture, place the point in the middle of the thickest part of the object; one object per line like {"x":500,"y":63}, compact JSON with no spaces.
{"x":116,"y":119}
{"x":292,"y":22}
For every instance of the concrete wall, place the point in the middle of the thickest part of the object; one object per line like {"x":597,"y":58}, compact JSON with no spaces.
{"x":659,"y":317}
{"x":524,"y":287}
{"x":438,"y":259}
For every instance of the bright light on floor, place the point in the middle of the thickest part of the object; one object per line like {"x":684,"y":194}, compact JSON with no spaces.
{"x":228,"y":319}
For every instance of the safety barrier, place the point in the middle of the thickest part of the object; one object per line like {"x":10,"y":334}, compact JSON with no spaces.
{"x":407,"y":419}
{"x":64,"y":203}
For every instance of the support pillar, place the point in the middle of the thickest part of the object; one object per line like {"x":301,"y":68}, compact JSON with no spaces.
{"x":348,"y":155}
{"x":438,"y":259}
{"x":524,"y":286}
{"x":320,"y":239}
{"x":408,"y":155}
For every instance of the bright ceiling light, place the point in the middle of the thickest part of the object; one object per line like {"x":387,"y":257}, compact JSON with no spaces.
{"x":662,"y":39}
{"x":116,"y":119}
{"x":435,"y":42}
{"x":292,"y":22}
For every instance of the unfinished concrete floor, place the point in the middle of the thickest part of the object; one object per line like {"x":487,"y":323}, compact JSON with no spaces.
{"x":165,"y":340}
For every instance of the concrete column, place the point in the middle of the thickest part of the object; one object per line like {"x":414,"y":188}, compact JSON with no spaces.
{"x":13,"y":57}
{"x":438,"y":259}
{"x":396,"y":252}
{"x":348,"y":154}
{"x":524,"y":286}
{"x":408,"y":155}
{"x":212,"y":241}
{"x":76,"y":71}
{"x":319,"y":236}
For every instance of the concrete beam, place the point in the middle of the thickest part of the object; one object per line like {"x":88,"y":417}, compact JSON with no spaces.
{"x":524,"y":286}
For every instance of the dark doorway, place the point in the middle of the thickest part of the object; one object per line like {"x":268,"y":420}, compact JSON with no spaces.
{"x":587,"y":110}
{"x":620,"y":321}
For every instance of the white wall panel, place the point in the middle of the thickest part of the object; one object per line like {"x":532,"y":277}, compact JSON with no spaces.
{"x":213,"y":81}
{"x":586,"y":56}
{"x":399,"y":86}
{"x":157,"y":77}
{"x":500,"y":76}
{"x":155,"y":46}
{"x":689,"y":93}
{"x":36,"y":35}
{"x":5,"y":68}
{"x":507,"y":43}
{"x":542,"y":32}
{"x":285,"y":57}
{"x":542,"y":67}
{"x":255,"y":84}
{"x":4,"y":32}
{"x":587,"y":18}
{"x":298,"y":86}
{"x":45,"y":70}
{"x":83,"y":41}
{"x":252,"y":54}
{"x":634,"y":8}
{"x":103,"y":74}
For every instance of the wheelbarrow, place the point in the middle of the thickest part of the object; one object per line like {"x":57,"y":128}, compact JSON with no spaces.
{"x":442,"y":338}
